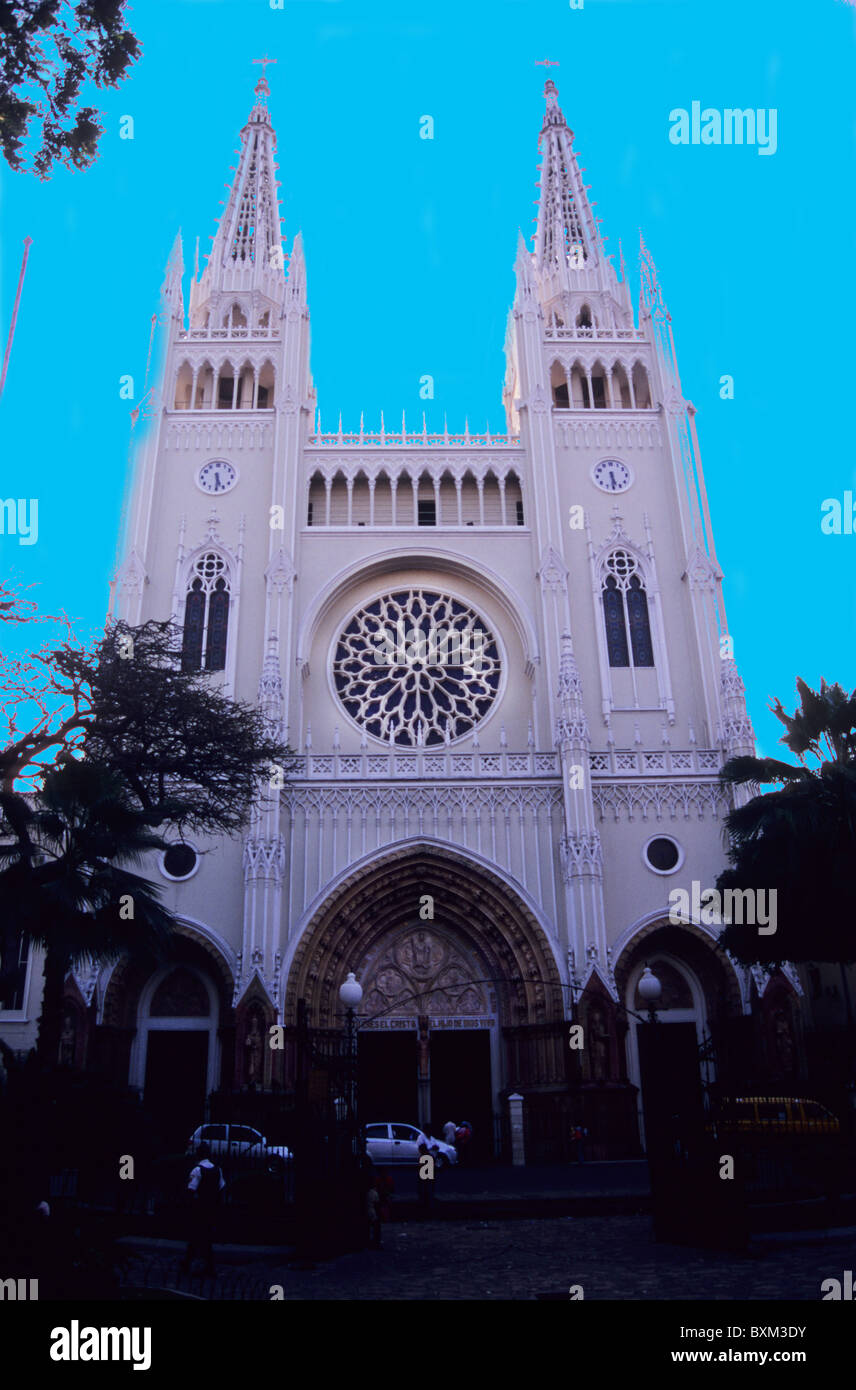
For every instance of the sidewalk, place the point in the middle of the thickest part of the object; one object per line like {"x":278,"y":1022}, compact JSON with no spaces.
{"x":607,"y":1257}
{"x":552,"y":1190}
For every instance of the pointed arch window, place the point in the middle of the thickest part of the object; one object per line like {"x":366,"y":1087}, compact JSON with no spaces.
{"x":206,"y":615}
{"x":625,"y":612}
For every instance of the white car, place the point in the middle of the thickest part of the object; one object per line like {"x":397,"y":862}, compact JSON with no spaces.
{"x":240,"y":1143}
{"x":395,"y":1143}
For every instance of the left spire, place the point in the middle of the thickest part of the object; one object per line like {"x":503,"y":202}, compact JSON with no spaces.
{"x":248,"y":242}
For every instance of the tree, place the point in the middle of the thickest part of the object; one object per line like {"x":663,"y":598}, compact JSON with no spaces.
{"x":48,"y":49}
{"x":65,"y":881}
{"x":141,"y":745}
{"x":799,"y":840}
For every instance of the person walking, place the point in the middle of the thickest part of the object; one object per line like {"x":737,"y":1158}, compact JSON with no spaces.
{"x":373,"y":1215}
{"x":580,"y":1136}
{"x":425,"y":1172}
{"x":205,"y":1184}
{"x":449,"y":1129}
{"x":463,"y":1138}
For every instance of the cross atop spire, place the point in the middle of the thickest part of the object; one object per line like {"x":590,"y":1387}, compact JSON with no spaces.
{"x":262,"y":89}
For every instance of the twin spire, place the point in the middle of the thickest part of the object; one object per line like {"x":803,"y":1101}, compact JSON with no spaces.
{"x":246,"y":253}
{"x":567,"y":232}
{"x":247,"y":245}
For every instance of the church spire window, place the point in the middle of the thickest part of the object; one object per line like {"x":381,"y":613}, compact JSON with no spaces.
{"x":206,"y":615}
{"x":625,"y":612}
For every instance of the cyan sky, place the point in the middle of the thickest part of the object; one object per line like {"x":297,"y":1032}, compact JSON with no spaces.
{"x":410,"y":246}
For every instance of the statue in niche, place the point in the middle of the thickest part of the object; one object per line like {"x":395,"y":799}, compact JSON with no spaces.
{"x":424,"y":1048}
{"x":599,"y":1044}
{"x":253,"y":1045}
{"x":784,"y":1043}
{"x":420,"y":953}
{"x":68,"y":1039}
{"x":420,"y":949}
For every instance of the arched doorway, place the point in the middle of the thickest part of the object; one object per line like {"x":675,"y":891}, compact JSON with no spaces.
{"x":175,"y":1056}
{"x":671,"y":1061}
{"x":452,"y":962}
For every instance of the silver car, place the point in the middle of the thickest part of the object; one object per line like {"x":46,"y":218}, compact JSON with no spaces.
{"x":397,"y":1143}
{"x":240,"y":1143}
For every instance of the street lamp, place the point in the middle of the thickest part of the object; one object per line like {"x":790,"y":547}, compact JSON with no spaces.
{"x":649,"y":989}
{"x":350,"y":993}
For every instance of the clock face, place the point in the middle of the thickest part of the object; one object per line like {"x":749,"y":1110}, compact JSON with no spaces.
{"x":612,"y":475}
{"x":217,"y":476}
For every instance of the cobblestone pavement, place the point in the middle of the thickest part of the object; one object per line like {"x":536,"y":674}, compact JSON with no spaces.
{"x":612,"y":1257}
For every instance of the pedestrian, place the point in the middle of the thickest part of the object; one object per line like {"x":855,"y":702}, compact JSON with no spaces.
{"x":449,"y":1129}
{"x":425,"y":1172}
{"x":580,"y":1135}
{"x":463,"y":1137}
{"x":205,"y":1184}
{"x":373,"y":1215}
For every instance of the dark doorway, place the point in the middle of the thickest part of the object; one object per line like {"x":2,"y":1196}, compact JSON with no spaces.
{"x":671,"y":1084}
{"x":176,"y":1073}
{"x":386,"y":1074}
{"x":460,"y":1086}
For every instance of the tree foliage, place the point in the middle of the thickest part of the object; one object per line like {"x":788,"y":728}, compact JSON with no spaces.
{"x":799,"y":839}
{"x":48,"y":50}
{"x":140,"y":746}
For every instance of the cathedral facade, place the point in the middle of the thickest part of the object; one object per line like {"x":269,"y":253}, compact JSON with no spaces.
{"x":504,"y":667}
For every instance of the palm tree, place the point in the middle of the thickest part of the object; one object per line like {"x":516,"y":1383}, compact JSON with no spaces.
{"x":67,"y":882}
{"x":799,"y":840}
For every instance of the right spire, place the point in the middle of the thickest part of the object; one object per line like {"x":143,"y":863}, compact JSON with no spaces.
{"x":567,"y":234}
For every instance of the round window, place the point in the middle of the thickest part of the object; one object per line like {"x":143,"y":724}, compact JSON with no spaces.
{"x":416,"y":667}
{"x":662,"y":854}
{"x":179,"y":861}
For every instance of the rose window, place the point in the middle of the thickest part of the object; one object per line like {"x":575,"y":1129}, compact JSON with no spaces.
{"x":416,"y":667}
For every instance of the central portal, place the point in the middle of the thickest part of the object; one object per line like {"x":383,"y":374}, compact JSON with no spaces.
{"x":452,"y":965}
{"x":428,"y":1008}
{"x":400,"y":1081}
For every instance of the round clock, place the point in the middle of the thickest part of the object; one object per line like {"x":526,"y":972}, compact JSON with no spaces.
{"x":611,"y":475}
{"x":217,"y":476}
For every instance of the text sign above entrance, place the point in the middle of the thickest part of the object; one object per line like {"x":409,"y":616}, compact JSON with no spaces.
{"x":411,"y":1023}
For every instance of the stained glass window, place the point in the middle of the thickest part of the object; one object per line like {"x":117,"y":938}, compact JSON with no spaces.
{"x":640,"y":627}
{"x":194,"y":621}
{"x":218,"y":620}
{"x":206,"y":615}
{"x":417,"y":667}
{"x":616,"y":633}
{"x":628,"y":628}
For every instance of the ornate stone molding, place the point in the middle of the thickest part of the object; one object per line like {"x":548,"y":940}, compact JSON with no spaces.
{"x":701,"y":572}
{"x":573,"y":731}
{"x":280,"y":573}
{"x":216,"y":434}
{"x":132,"y":575}
{"x":581,"y":854}
{"x":553,"y":572}
{"x":264,"y":858}
{"x":583,"y":433}
{"x":660,"y":800}
{"x":416,"y":800}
